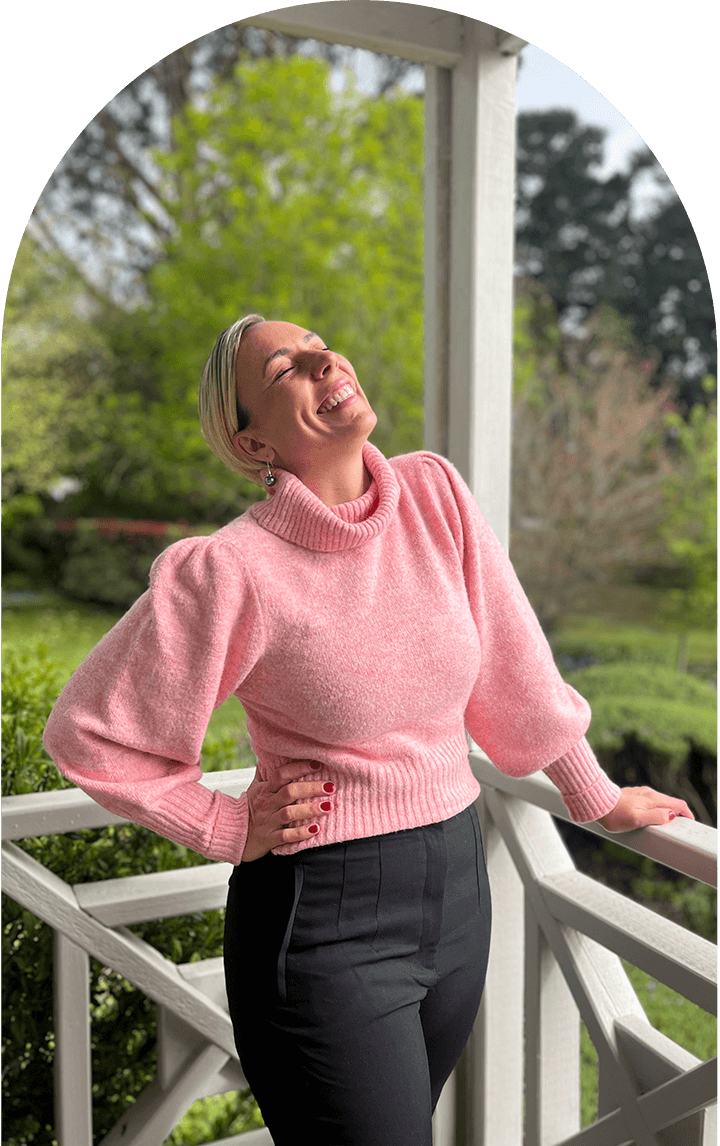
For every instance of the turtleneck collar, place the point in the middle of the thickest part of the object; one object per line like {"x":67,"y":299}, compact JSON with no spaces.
{"x":294,"y":513}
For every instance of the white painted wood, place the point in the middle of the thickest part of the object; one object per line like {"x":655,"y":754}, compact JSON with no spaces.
{"x":508,"y":44}
{"x":552,"y":1045}
{"x":252,"y":1138}
{"x":710,"y":1127}
{"x":683,"y":961}
{"x":73,"y":1083}
{"x":426,"y":35}
{"x":595,"y":976}
{"x":481,"y":274}
{"x":157,"y":895}
{"x":599,"y":984}
{"x":495,"y":1049}
{"x":681,"y":1096}
{"x":684,"y":845}
{"x":437,"y":188}
{"x":48,"y":813}
{"x":51,"y":900}
{"x":443,"y":1126}
{"x":69,"y":810}
{"x":178,"y":1041}
{"x":668,"y":1103}
{"x":150,"y":1120}
{"x":653,"y":1060}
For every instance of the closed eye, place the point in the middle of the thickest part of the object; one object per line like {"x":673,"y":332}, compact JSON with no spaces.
{"x":289,"y":368}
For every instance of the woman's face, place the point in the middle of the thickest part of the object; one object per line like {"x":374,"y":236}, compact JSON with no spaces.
{"x":305,"y":403}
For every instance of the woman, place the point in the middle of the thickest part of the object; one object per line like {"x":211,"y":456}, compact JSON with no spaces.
{"x":366,"y":615}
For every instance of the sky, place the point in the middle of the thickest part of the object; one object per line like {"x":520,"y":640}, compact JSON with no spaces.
{"x":545,"y":82}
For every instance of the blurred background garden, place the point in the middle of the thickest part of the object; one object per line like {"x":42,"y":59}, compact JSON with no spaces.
{"x":249,"y":172}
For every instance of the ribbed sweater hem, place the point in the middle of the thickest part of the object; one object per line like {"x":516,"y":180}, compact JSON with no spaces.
{"x":371,"y":801}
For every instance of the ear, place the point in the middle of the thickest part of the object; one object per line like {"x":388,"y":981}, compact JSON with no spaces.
{"x":252,"y":448}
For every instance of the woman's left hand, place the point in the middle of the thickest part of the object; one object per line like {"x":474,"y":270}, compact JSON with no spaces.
{"x":640,"y":807}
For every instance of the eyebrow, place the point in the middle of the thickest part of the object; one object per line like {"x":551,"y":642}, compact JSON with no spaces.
{"x":286,"y":350}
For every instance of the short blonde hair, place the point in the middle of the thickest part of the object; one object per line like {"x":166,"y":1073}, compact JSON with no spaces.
{"x":221,"y":414}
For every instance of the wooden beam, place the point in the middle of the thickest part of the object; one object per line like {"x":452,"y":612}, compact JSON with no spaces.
{"x":73,"y":1082}
{"x":70,"y":809}
{"x":685,"y":962}
{"x":438,"y":182}
{"x":481,"y":275}
{"x":412,"y":31}
{"x":684,"y":845}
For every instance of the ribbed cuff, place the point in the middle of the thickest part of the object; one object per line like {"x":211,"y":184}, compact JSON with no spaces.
{"x":587,"y":792}
{"x":231,"y":828}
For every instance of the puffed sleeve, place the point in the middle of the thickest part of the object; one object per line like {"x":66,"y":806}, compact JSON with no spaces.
{"x":521,"y":712}
{"x":128,"y":727}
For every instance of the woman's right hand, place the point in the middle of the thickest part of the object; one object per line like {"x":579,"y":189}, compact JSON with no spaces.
{"x":272,"y":808}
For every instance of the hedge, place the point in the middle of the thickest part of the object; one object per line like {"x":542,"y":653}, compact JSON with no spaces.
{"x":109,"y":561}
{"x":93,"y":559}
{"x":123,"y":1019}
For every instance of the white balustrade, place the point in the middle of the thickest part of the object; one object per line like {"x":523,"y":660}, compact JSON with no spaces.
{"x":558,"y":941}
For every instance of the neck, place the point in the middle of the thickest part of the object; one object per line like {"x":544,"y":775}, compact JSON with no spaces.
{"x":337,"y":481}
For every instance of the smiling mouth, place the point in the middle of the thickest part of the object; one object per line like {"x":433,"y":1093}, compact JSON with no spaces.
{"x":340,"y":395}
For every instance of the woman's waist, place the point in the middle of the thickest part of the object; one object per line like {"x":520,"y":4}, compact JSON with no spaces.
{"x":384,"y":796}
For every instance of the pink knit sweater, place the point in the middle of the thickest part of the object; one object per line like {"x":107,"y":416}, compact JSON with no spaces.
{"x":366,"y":636}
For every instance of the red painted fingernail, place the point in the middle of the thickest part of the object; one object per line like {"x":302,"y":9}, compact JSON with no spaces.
{"x":313,"y":828}
{"x":326,"y":806}
{"x":329,"y":787}
{"x":671,"y":816}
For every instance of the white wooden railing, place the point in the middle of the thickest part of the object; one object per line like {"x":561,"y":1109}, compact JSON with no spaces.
{"x":558,"y":941}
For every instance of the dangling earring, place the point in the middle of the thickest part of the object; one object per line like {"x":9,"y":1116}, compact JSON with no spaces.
{"x":270,"y":478}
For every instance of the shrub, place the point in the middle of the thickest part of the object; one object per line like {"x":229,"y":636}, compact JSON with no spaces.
{"x":580,"y":646}
{"x":123,"y":1019}
{"x":583,"y":641}
{"x":32,"y":549}
{"x":654,"y":725}
{"x":110,"y":561}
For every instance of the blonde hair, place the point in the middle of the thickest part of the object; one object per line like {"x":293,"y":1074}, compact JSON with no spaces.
{"x":221,"y":414}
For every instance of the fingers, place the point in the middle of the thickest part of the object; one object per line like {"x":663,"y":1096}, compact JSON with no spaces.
{"x":642,"y":807}
{"x":288,"y":815}
{"x":668,"y":806}
{"x":294,"y":770}
{"x":292,"y":792}
{"x":656,"y":816}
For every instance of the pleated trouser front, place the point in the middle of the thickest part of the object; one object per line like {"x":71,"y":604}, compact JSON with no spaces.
{"x":354,"y":972}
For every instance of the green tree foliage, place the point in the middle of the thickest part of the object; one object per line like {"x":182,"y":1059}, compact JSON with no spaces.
{"x":580,"y":237}
{"x":286,"y":200}
{"x":690,"y":527}
{"x":575,"y":231}
{"x":297,"y":204}
{"x":54,"y":359}
{"x":107,"y":189}
{"x":588,"y":456}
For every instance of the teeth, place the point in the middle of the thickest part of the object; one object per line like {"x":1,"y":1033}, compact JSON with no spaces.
{"x":339,"y":396}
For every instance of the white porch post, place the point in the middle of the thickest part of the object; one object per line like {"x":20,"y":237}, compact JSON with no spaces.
{"x":73,"y":1083}
{"x":469,"y":233}
{"x":470,"y":142}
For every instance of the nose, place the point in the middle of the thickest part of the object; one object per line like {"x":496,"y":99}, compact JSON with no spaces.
{"x":321,"y":363}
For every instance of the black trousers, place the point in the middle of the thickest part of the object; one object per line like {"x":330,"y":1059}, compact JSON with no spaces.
{"x":354,"y":973}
